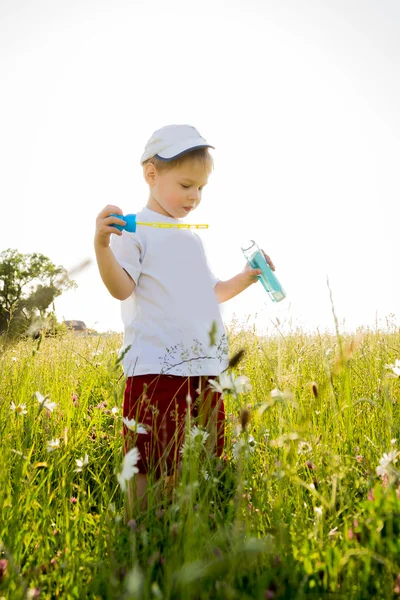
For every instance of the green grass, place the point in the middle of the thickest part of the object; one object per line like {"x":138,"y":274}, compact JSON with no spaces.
{"x":302,"y":516}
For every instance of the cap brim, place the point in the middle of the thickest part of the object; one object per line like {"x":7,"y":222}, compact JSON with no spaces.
{"x":173,"y":154}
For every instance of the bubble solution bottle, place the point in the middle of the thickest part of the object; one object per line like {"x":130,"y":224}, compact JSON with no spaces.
{"x":256,"y":259}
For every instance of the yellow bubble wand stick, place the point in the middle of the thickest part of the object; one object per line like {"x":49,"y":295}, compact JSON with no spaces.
{"x":131,"y":224}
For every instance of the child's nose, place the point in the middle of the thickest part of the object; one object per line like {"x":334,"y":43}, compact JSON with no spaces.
{"x":195,"y":195}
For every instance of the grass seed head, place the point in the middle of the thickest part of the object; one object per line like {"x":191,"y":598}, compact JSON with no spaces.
{"x":236,"y":358}
{"x":244,"y":417}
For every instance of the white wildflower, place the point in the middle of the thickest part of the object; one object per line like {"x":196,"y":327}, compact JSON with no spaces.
{"x":386,"y":463}
{"x":155,"y":590}
{"x":395,"y":368}
{"x":318,"y":511}
{"x":45,"y":402}
{"x":195,"y":440}
{"x":134,"y":582}
{"x":19,"y":409}
{"x":252,"y":443}
{"x":133,"y":426}
{"x":196,"y":433}
{"x":242,"y":384}
{"x":205,"y":474}
{"x":227,"y":383}
{"x":129,"y":468}
{"x":245,"y":446}
{"x":115,"y":410}
{"x":237,"y":446}
{"x":81,"y":463}
{"x":304,"y":447}
{"x":53,"y":445}
{"x":282,"y":439}
{"x":224,"y":383}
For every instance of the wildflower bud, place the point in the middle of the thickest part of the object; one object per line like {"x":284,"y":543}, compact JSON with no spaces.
{"x":314,"y":388}
{"x":396,"y":589}
{"x":277,"y":561}
{"x":3,"y":568}
{"x":244,"y":418}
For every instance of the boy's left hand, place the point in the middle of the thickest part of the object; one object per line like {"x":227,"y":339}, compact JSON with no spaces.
{"x":251,"y":274}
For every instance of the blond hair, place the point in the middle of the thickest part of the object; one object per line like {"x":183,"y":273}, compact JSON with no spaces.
{"x":198,"y":155}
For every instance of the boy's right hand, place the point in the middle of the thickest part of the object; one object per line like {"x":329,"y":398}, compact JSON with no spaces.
{"x":104,"y":227}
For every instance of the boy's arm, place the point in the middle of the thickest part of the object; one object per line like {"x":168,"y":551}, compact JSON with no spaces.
{"x":225,"y":290}
{"x":115,"y":278}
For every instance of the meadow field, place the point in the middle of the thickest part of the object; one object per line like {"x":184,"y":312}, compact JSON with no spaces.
{"x":304,"y":502}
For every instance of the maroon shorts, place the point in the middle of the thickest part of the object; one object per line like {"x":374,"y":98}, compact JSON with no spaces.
{"x":160,"y":403}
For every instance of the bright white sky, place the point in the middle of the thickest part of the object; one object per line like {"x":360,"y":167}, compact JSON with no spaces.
{"x":301,"y":99}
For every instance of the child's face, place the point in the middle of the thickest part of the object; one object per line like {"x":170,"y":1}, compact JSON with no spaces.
{"x":174,"y":190}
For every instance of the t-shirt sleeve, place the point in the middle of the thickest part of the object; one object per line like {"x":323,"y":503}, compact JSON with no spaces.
{"x":214,"y":279}
{"x":127,"y":250}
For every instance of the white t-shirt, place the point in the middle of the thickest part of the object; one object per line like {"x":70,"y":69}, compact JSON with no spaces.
{"x":170,"y":313}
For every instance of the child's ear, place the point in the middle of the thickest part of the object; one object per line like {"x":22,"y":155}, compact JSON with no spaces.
{"x":150,"y":173}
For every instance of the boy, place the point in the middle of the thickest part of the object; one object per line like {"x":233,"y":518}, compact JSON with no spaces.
{"x":169,"y":305}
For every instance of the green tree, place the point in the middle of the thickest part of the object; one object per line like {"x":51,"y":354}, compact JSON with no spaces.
{"x":29,"y":283}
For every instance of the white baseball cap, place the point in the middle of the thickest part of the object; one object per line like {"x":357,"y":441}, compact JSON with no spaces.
{"x":171,"y":141}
